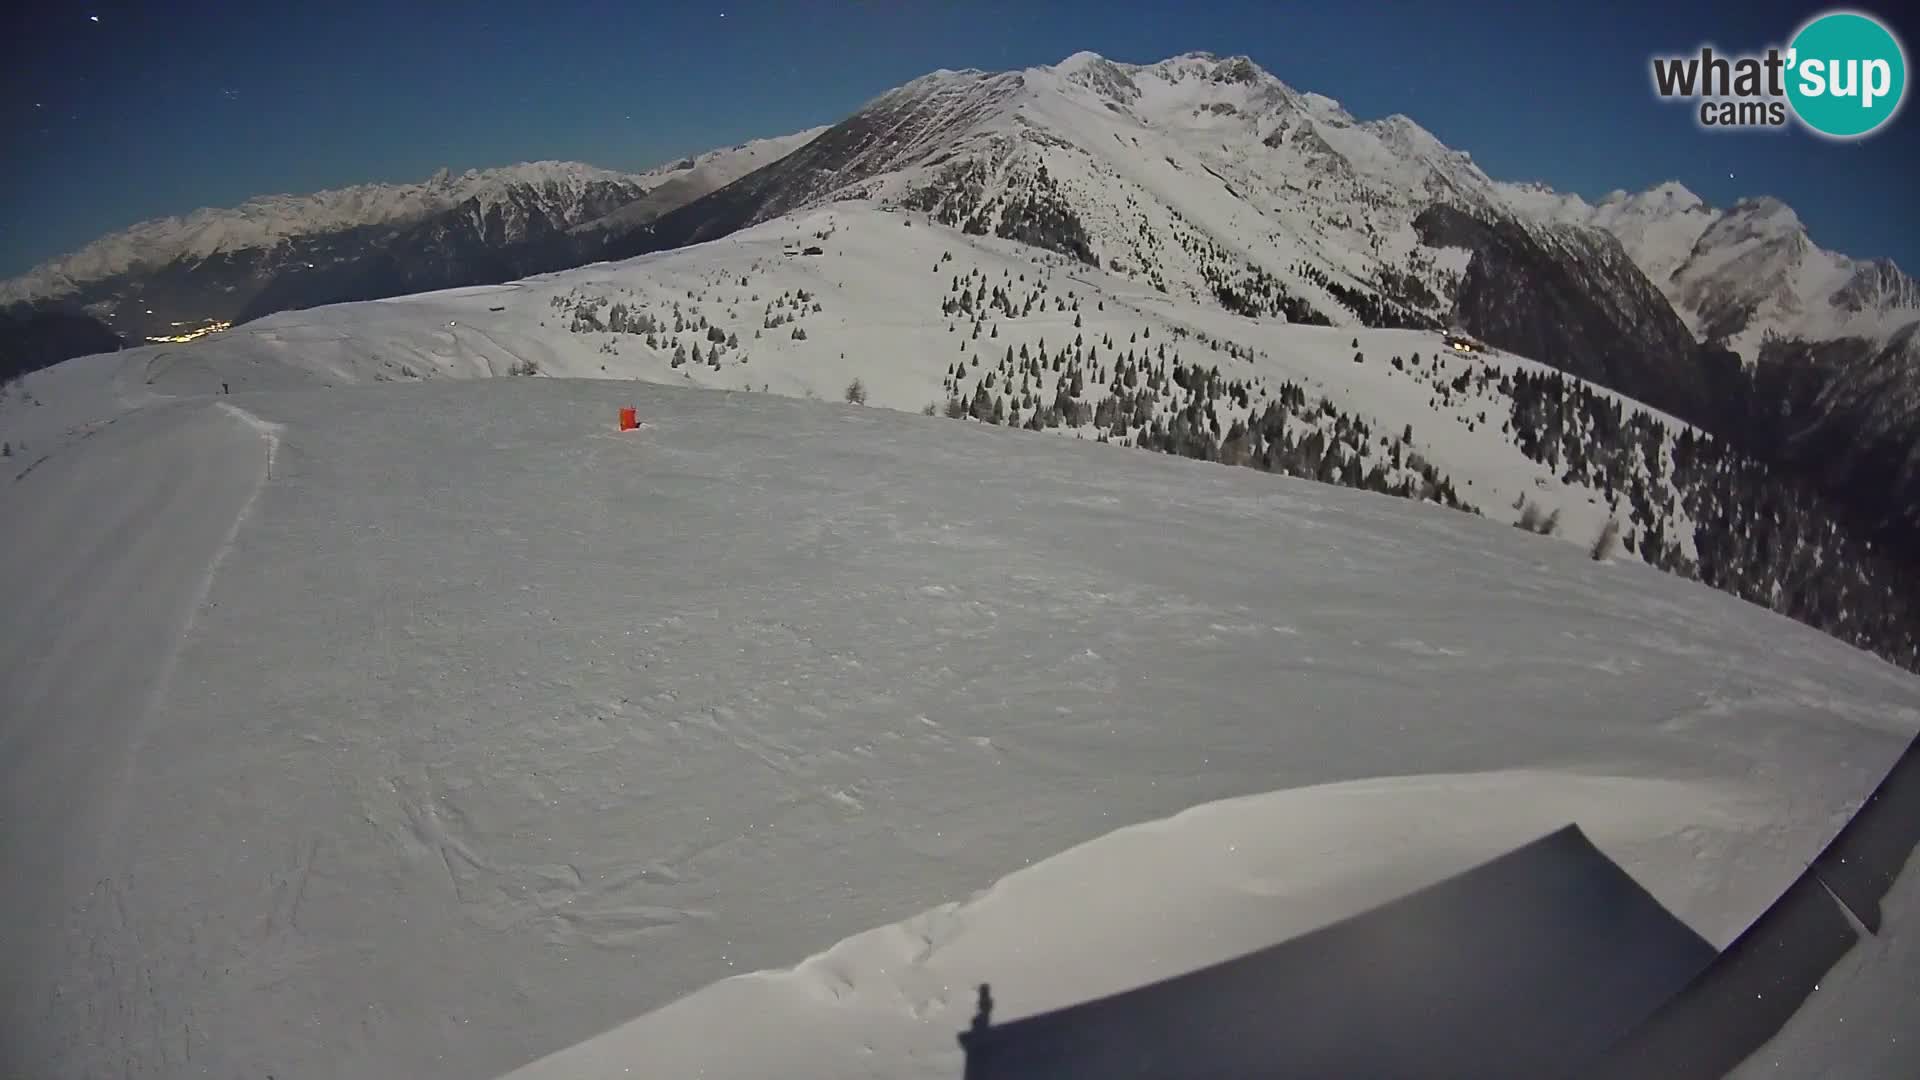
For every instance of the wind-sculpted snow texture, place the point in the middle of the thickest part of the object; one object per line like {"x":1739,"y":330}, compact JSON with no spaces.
{"x":426,"y":730}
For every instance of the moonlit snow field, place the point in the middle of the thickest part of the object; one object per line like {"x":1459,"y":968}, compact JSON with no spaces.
{"x":428,"y":730}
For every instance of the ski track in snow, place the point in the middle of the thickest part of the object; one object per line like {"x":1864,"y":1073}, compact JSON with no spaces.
{"x":493,"y":730}
{"x":124,"y":542}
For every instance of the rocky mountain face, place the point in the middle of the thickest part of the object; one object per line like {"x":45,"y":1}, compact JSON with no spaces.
{"x":923,"y":121}
{"x":1573,"y":298}
{"x":1743,"y":274}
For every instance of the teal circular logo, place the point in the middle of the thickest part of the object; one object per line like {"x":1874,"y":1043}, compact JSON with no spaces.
{"x":1846,"y":74}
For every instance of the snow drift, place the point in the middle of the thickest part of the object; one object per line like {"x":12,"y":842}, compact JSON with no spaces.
{"x":1148,"y":901}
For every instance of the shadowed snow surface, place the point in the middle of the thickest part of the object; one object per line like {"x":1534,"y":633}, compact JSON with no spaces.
{"x":426,"y":730}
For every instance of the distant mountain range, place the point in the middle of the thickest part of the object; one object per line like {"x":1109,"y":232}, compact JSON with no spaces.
{"x":160,"y":278}
{"x":1201,"y":176}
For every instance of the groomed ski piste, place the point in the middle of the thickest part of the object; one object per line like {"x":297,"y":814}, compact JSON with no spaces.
{"x":435,"y":729}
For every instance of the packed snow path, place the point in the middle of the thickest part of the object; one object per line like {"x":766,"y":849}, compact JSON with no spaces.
{"x":477,"y":728}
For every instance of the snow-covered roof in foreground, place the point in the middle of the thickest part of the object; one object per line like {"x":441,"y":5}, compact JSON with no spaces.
{"x":428,"y":730}
{"x":1144,"y":902}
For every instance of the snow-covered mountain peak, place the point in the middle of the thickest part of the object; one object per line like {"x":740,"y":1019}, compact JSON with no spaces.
{"x":565,"y":175}
{"x":1183,"y":79}
{"x":1753,"y":270}
{"x":1326,"y":110}
{"x":1186,"y":79}
{"x":1760,"y":225}
{"x":1211,"y":94}
{"x":1659,"y":227}
{"x":1080,"y":61}
{"x":940,"y":78}
{"x":1541,"y":201}
{"x":1676,"y":196}
{"x":1209,"y":67}
{"x":1764,"y":213}
{"x":1104,"y":77}
{"x":1879,"y":285}
{"x":1741,"y":273}
{"x":1240,"y":69}
{"x":950,"y":94}
{"x":1668,"y":197}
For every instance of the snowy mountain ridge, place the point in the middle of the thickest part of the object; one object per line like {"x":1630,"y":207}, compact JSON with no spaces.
{"x":1745,"y":273}
{"x":178,"y":276}
{"x":1330,"y":191}
{"x":266,"y":220}
{"x":565,"y":193}
{"x":1738,"y":274}
{"x":1211,"y":181}
{"x":690,"y":178}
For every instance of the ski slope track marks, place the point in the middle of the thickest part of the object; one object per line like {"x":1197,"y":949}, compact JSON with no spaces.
{"x":110,"y":555}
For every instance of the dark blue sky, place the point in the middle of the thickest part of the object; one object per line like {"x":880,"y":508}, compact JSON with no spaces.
{"x":164,"y":107}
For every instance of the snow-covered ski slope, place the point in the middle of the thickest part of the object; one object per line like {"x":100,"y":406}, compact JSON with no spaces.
{"x":877,"y":309}
{"x":426,"y":730}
